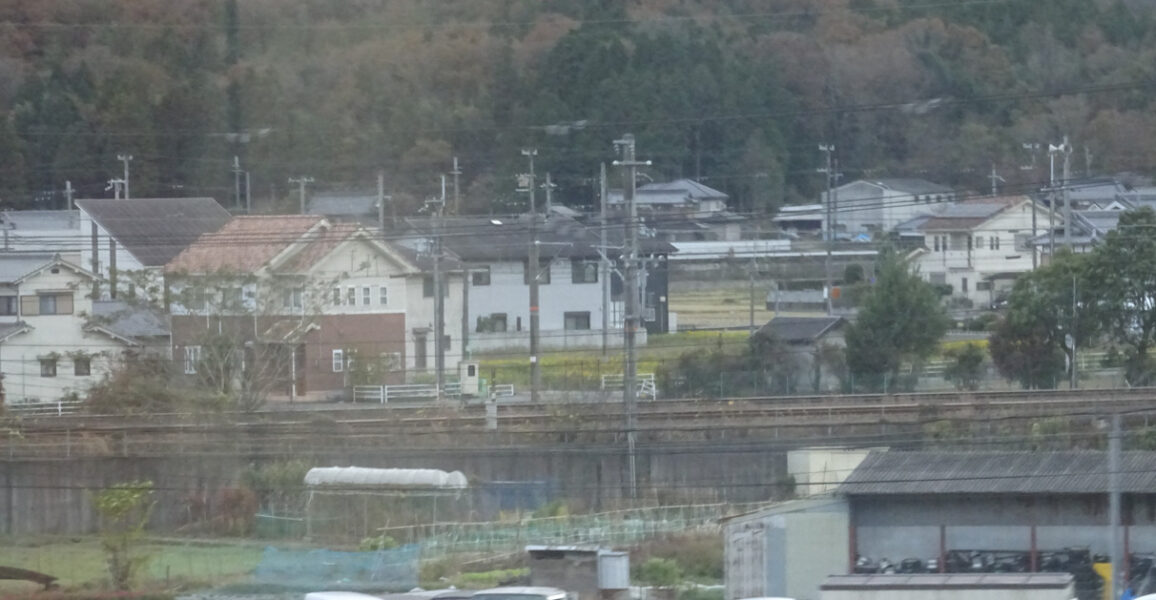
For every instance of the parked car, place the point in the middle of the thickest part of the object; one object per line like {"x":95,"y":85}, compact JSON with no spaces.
{"x":524,"y":593}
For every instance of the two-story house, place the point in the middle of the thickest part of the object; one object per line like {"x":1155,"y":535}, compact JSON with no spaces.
{"x":978,"y":247}
{"x":125,"y":241}
{"x":303,"y":300}
{"x":570,"y":276}
{"x":877,"y":206}
{"x":56,"y":341}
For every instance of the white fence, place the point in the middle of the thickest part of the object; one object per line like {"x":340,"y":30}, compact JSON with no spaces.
{"x":383,"y":394}
{"x":44,"y":409}
{"x":647,"y":388}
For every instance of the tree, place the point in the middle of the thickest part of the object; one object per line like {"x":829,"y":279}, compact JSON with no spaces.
{"x":966,"y":367}
{"x":1044,"y":308}
{"x":124,"y":511}
{"x":1123,"y":274}
{"x":900,"y":322}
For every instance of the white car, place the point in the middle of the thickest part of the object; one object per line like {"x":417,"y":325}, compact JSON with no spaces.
{"x":523,"y":593}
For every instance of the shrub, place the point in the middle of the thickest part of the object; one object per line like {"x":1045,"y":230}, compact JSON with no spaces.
{"x":658,"y":572}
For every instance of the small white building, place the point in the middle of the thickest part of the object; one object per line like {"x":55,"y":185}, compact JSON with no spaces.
{"x":979,"y":247}
{"x":878,"y":206}
{"x":54,"y":340}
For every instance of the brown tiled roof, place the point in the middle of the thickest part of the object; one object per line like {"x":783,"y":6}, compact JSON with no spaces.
{"x":243,"y":245}
{"x":320,"y":247}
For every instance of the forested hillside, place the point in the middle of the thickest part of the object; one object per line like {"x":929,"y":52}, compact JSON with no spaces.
{"x":737,"y":93}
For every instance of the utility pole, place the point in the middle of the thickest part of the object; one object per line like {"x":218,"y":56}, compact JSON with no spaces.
{"x":457,"y":197}
{"x":605,"y":263}
{"x":1067,"y":150}
{"x":1052,"y":151}
{"x":1087,"y":161}
{"x":533,"y":269}
{"x":248,"y":195}
{"x":237,"y":182}
{"x":1117,"y":553}
{"x":381,"y":203}
{"x":125,"y":158}
{"x":1032,"y":148}
{"x":1072,"y":345}
{"x":68,"y":191}
{"x":301,"y":183}
{"x":829,"y":170}
{"x":753,"y":267}
{"x":549,"y":187}
{"x":630,"y":288}
{"x":438,"y":206}
{"x":995,"y":179}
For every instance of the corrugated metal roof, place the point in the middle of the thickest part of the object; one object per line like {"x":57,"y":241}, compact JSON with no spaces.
{"x":1076,"y":472}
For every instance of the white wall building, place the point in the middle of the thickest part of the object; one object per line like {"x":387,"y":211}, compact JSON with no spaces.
{"x":878,"y":206}
{"x":50,"y":344}
{"x":980,"y":246}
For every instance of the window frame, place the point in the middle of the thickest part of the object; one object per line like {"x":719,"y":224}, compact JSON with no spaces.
{"x":383,"y":295}
{"x":192,"y":359}
{"x":480,"y":276}
{"x":84,"y":361}
{"x":569,"y":317}
{"x":338,"y":360}
{"x":12,"y":303}
{"x":48,"y":367}
{"x":581,"y":268}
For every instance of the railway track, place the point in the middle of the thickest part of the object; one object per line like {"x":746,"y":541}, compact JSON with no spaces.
{"x":659,"y":414}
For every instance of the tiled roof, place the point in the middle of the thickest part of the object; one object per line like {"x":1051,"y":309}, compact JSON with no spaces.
{"x":244,"y":244}
{"x":1074,"y":472}
{"x":800,"y":329}
{"x":155,"y":230}
{"x":127,"y":321}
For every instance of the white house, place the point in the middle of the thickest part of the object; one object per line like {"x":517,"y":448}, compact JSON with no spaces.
{"x":570,"y":282}
{"x":980,"y":246}
{"x":131,"y":239}
{"x":879,"y":205}
{"x":308,"y":296}
{"x":54,"y":340}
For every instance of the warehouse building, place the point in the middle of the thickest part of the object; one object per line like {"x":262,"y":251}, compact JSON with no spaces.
{"x":935,"y":506}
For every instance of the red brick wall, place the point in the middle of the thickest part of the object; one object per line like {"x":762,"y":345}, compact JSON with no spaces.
{"x":370,"y":335}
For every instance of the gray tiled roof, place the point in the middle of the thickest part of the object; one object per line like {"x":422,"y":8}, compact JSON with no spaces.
{"x":14,"y":265}
{"x":800,"y":329}
{"x":155,"y":230}
{"x":1074,"y":472}
{"x":913,"y":186}
{"x":128,"y":321}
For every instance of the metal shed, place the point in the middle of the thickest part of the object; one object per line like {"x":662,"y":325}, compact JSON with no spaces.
{"x":591,"y":572}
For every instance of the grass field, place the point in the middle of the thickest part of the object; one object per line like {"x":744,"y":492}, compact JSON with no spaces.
{"x":726,"y":305}
{"x":79,"y":562}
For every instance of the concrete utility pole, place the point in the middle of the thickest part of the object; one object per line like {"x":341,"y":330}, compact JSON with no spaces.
{"x":1066,"y":148}
{"x":237,"y":182}
{"x":381,"y":203}
{"x":1117,"y":553}
{"x":1052,"y":151}
{"x":753,"y":268}
{"x":533,"y":269}
{"x":248,"y":195}
{"x":630,"y":289}
{"x":438,"y":206}
{"x":1033,"y":148}
{"x":829,"y":170}
{"x":1087,"y":161}
{"x":125,"y":158}
{"x":605,"y":263}
{"x":457,"y":208}
{"x":68,"y":191}
{"x":301,"y":183}
{"x":549,"y":187}
{"x":995,"y":180}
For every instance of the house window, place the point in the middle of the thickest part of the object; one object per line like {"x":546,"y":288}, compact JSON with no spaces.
{"x":495,"y":323}
{"x":366,"y":296}
{"x":583,"y":271}
{"x":543,"y":272}
{"x":8,"y":305}
{"x":338,"y":361}
{"x":480,"y":276}
{"x":293,"y":297}
{"x":383,"y":295}
{"x":336,"y":296}
{"x":48,"y":367}
{"x":577,"y":321}
{"x":194,"y":298}
{"x":232,"y":297}
{"x":351,"y":296}
{"x":82,"y":367}
{"x":192,"y":358}
{"x":46,"y":304}
{"x":993,"y":243}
